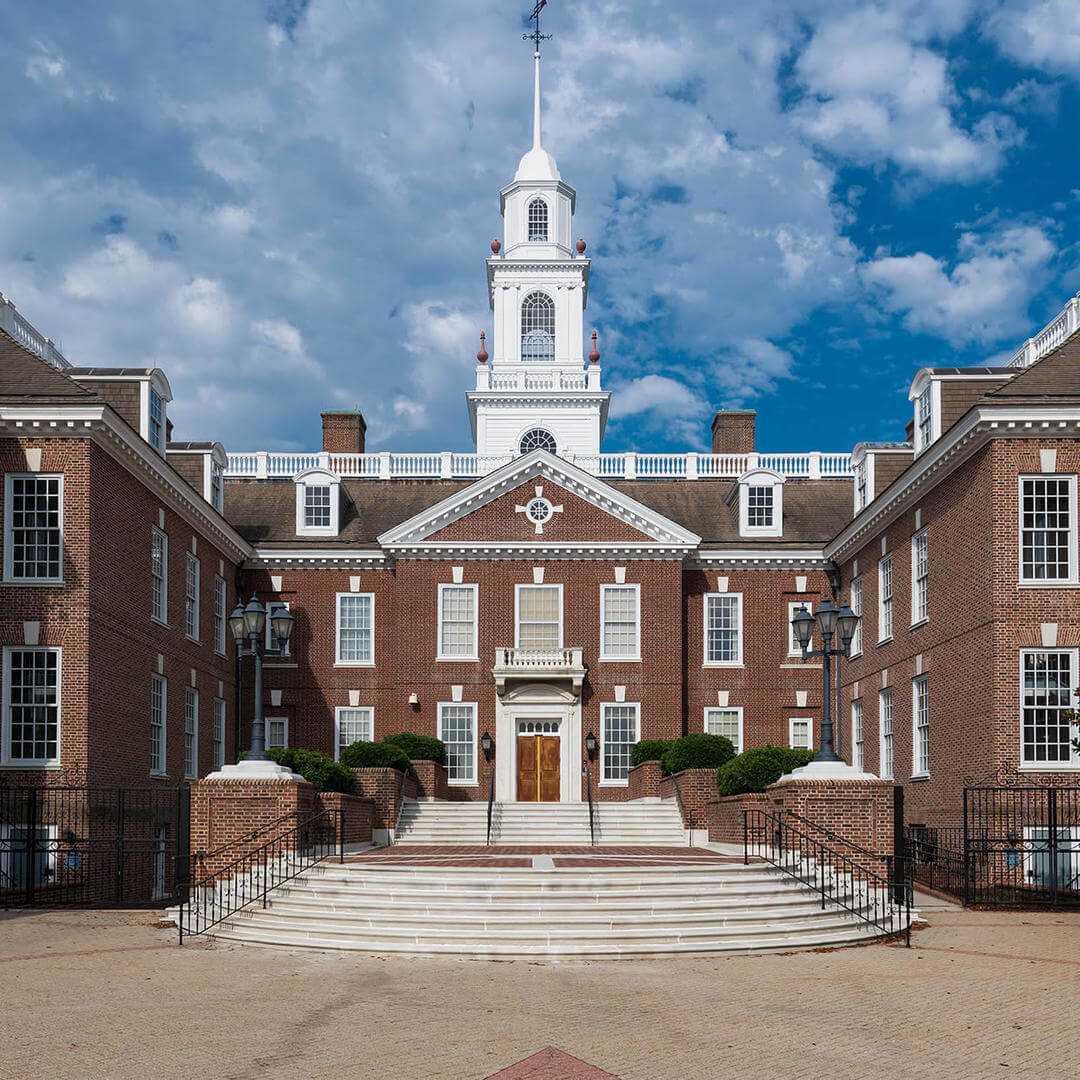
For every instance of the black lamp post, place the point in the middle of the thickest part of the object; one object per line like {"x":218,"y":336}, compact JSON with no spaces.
{"x":830,"y":620}
{"x":486,"y":744}
{"x":248,"y":626}
{"x":590,"y":745}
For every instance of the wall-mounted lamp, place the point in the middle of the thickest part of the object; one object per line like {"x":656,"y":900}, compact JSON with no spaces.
{"x":590,"y":744}
{"x":486,"y":744}
{"x":414,"y":700}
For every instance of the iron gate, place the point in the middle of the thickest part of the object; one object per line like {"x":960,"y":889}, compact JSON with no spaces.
{"x":113,"y":847}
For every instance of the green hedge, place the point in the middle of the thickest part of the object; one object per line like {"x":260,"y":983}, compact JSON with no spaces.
{"x":648,"y":750}
{"x":318,"y":769}
{"x":419,"y":747}
{"x":756,"y":769}
{"x":696,"y":752}
{"x":374,"y":755}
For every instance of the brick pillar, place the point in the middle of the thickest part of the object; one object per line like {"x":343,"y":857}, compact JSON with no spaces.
{"x":343,"y":432}
{"x":733,"y":431}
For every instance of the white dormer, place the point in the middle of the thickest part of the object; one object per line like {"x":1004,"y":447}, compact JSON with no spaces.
{"x":761,"y":503}
{"x":925,"y":394}
{"x":318,"y":503}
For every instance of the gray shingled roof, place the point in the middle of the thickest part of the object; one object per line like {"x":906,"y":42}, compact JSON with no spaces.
{"x":1055,"y":377}
{"x":23,"y":375}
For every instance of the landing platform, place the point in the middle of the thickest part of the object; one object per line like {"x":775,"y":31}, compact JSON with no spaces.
{"x":540,"y":856}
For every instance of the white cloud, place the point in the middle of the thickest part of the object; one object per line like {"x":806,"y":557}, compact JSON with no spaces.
{"x":752,"y":367}
{"x":235,"y":219}
{"x":202,"y":308}
{"x":117,"y":272}
{"x":1042,"y":33}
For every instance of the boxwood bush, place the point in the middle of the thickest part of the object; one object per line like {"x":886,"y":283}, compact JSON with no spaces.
{"x":419,"y":747}
{"x":648,"y":750}
{"x":374,"y":755}
{"x":696,"y":752}
{"x":755,"y":770}
{"x":318,"y":769}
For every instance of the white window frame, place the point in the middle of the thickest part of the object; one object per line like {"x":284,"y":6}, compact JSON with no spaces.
{"x":858,"y":746}
{"x":217,"y":487}
{"x":191,"y":766}
{"x":267,"y":721}
{"x":706,"y":662}
{"x":920,"y":584}
{"x":629,"y":658}
{"x":886,"y":694}
{"x":604,"y":707}
{"x":1047,"y":583}
{"x":924,"y":404}
{"x":1067,"y":834}
{"x":9,"y":543}
{"x":809,"y":722}
{"x":793,"y":646}
{"x":472,"y":705}
{"x":338,"y":661}
{"x":163,"y":423}
{"x":46,"y":834}
{"x":271,"y":607}
{"x":882,"y":609}
{"x":221,"y":615}
{"x":5,"y":716}
{"x":318,"y":478}
{"x":917,"y":771}
{"x":1073,"y":764}
{"x":761,"y":478}
{"x":164,"y":728}
{"x":862,"y":481}
{"x":219,"y":719}
{"x":855,"y":594}
{"x":736,"y":709}
{"x":163,"y":619}
{"x":474,"y":653}
{"x":337,"y":725}
{"x":517,"y":609}
{"x":191,"y":602}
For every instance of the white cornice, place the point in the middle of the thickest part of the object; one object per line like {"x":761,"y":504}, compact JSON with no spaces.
{"x":319,"y":558}
{"x":762,"y":559}
{"x":540,"y":551}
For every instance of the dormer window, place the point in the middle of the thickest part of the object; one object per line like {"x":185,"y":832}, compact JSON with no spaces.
{"x":316,"y":506}
{"x":157,"y":421}
{"x":318,"y":500}
{"x":924,"y":420}
{"x":759,"y":507}
{"x":538,"y":220}
{"x":537,"y":327}
{"x":217,"y":487}
{"x":761,"y":503}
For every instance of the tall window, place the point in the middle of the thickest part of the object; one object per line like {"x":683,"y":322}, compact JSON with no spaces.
{"x":31,"y":725}
{"x":860,"y":485}
{"x":537,"y":327}
{"x":157,"y":420}
{"x":33,"y":528}
{"x":272,"y":640}
{"x":1047,"y":528}
{"x":920,"y":578}
{"x":1046,"y":693}
{"x":316,"y":506}
{"x":457,"y":622}
{"x":191,"y":734}
{"x":217,"y":488}
{"x":723,"y":628}
{"x":355,"y":628}
{"x":857,"y":757}
{"x":885,"y":719}
{"x":352,"y":725}
{"x":801,"y":733}
{"x":159,"y":575}
{"x":539,"y":617}
{"x":277,"y":732}
{"x":537,"y":439}
{"x":759,"y":507}
{"x":620,"y":623}
{"x":191,"y":598}
{"x":457,"y":728}
{"x":220,"y":604}
{"x":219,"y":734}
{"x":538,"y":220}
{"x":726,"y":722}
{"x":855,"y":600}
{"x":920,"y":718}
{"x":793,"y":646}
{"x":158,"y":697}
{"x":885,"y":599}
{"x":924,"y":421}
{"x":619,"y":725}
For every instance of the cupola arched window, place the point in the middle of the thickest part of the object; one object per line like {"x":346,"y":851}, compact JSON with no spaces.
{"x":537,"y":327}
{"x":538,"y":220}
{"x":537,"y":439}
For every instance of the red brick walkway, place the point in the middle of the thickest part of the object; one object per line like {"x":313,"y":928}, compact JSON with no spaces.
{"x":552,"y":1064}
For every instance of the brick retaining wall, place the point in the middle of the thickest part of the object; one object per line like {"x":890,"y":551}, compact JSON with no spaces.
{"x":358,"y":814}
{"x":431,"y":780}
{"x":724,"y":816}
{"x":697,"y":787}
{"x":643,"y":781}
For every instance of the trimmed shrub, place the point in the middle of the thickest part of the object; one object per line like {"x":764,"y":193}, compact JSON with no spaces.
{"x":648,"y":750}
{"x":419,"y":747}
{"x":755,"y":770}
{"x":374,"y":755}
{"x":696,"y":752}
{"x":316,"y":768}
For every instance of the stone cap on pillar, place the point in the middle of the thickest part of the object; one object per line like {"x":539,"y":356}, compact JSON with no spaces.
{"x":254,"y":770}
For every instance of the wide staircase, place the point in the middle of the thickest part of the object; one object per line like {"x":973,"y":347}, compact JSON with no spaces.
{"x":644,"y":822}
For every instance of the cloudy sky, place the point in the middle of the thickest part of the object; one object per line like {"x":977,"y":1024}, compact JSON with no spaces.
{"x":791,"y":205}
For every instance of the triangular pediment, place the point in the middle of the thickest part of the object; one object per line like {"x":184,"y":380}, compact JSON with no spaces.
{"x":583,"y":512}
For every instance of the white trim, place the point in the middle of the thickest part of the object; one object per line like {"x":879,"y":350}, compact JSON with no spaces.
{"x":881,"y":733}
{"x":737,"y":709}
{"x":338,"y":661}
{"x":9,"y":479}
{"x":221,"y":592}
{"x":922,"y":534}
{"x":338,"y":710}
{"x":882,"y":636}
{"x":636,"y":655}
{"x":1074,"y":682}
{"x":164,"y":620}
{"x":601,"y":750}
{"x":517,"y":608}
{"x":858,"y":727}
{"x":164,"y":770}
{"x":918,"y":773}
{"x":267,"y":721}
{"x":1073,"y":578}
{"x":705,"y":661}
{"x":794,"y":648}
{"x":317,"y":478}
{"x":271,"y":605}
{"x":475,"y":652}
{"x":189,"y":560}
{"x":224,"y":741}
{"x":761,"y":478}
{"x":809,"y":722}
{"x":858,"y":635}
{"x":5,"y":705}
{"x":439,"y":707}
{"x":191,"y":693}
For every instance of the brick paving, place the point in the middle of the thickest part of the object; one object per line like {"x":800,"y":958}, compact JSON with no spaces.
{"x":91,"y":996}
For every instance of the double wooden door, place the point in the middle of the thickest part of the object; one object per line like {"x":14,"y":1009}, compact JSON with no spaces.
{"x":538,"y":768}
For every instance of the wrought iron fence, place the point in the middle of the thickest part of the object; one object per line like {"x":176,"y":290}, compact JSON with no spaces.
{"x":91,"y":846}
{"x":936,"y":857}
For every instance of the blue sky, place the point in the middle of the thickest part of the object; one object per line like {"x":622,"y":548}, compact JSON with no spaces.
{"x":790,"y":206}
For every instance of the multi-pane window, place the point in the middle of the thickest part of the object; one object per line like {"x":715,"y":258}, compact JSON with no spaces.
{"x":219,"y":734}
{"x":191,"y":734}
{"x":793,"y":646}
{"x":158,"y":697}
{"x":920,"y":578}
{"x":33,"y":542}
{"x":273,"y":643}
{"x":538,"y":220}
{"x":885,"y":719}
{"x":759,"y":507}
{"x":619,"y":733}
{"x":924,"y":420}
{"x":800,"y":733}
{"x":860,"y":485}
{"x":620,"y":629}
{"x":537,"y":327}
{"x":726,"y":722}
{"x":1046,"y":692}
{"x":855,"y":601}
{"x":457,"y":622}
{"x":857,"y":757}
{"x":32,"y":706}
{"x":920,"y":718}
{"x":157,"y":420}
{"x":353,"y":725}
{"x":316,"y":506}
{"x":220,"y":604}
{"x":885,"y":599}
{"x":723,"y":628}
{"x":277,"y":732}
{"x":159,"y":575}
{"x":537,"y":439}
{"x":217,"y":488}
{"x":539,"y":617}
{"x":355,"y":628}
{"x":191,"y":597}
{"x":457,"y":728}
{"x":1047,"y":530}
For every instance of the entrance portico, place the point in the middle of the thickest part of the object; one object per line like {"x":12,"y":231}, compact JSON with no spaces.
{"x":538,"y":712}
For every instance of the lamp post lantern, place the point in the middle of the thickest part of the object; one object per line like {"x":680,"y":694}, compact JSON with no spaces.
{"x":248,"y":625}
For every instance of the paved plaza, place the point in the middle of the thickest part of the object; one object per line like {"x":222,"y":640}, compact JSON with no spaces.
{"x":109,"y":994}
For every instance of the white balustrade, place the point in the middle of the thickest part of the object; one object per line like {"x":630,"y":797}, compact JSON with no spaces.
{"x":1059,"y":329}
{"x":14,"y":324}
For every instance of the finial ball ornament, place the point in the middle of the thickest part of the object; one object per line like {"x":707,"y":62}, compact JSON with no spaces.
{"x":594,"y":352}
{"x":581,"y":246}
{"x":496,"y":247}
{"x":482,"y":355}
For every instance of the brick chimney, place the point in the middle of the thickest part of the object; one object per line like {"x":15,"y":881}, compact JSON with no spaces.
{"x":733,"y":431}
{"x":343,"y":432}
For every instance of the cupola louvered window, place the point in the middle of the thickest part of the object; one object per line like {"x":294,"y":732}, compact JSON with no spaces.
{"x":538,"y":220}
{"x":537,"y":327}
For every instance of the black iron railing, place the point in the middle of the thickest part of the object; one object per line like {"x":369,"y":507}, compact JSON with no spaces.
{"x":491,"y":803}
{"x":684,"y":813}
{"x":252,"y":876}
{"x":200,"y":859}
{"x":935,"y":858}
{"x":588,"y":795}
{"x":838,"y":878}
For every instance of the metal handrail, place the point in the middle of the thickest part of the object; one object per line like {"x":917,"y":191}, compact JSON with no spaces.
{"x":491,"y":803}
{"x":588,"y":795}
{"x":839,"y":879}
{"x":202,"y":856}
{"x":830,"y":834}
{"x":253,"y":875}
{"x":399,"y":803}
{"x":687,"y":815}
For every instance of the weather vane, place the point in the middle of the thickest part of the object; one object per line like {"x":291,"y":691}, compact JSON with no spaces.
{"x":535,"y":35}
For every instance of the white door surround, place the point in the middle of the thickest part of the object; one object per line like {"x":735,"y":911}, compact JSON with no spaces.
{"x":537,"y":702}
